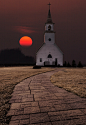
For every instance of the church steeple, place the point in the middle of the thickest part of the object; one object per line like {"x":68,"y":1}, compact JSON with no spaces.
{"x":49,"y":13}
{"x":49,"y":19}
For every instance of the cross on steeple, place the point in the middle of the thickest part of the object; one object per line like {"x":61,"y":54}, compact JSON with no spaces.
{"x":49,"y":19}
{"x":49,"y":6}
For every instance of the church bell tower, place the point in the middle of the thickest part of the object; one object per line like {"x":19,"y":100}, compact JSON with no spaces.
{"x":49,"y":53}
{"x":49,"y":35}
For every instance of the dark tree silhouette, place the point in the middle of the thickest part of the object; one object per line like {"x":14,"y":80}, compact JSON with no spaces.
{"x":68,"y":64}
{"x":79,"y":64}
{"x":15,"y":57}
{"x":65,"y":64}
{"x":73,"y":63}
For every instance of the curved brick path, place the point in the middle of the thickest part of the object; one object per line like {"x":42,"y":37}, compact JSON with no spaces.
{"x":36,"y":101}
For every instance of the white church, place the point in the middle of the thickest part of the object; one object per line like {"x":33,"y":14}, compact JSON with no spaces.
{"x":49,"y":53}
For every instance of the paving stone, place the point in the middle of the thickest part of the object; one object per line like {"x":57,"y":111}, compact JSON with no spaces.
{"x":42,"y":94}
{"x":83,"y":110}
{"x":22,"y":95}
{"x":59,"y":102}
{"x":82,"y":118}
{"x":36,"y":88}
{"x":59,"y":113}
{"x":47,"y":109}
{"x":72,"y":112}
{"x":10,"y":112}
{"x":62,"y":107}
{"x":19,"y":112}
{"x":67,"y":113}
{"x":35,"y":124}
{"x":19,"y":117}
{"x":27,"y":99}
{"x":46,"y":123}
{"x":18,"y":100}
{"x":25,"y":92}
{"x":16,"y":97}
{"x":19,"y":92}
{"x":29,"y":104}
{"x":21,"y":88}
{"x":70,"y":122}
{"x":38,"y":91}
{"x":15,"y":105}
{"x":45,"y":98}
{"x":33,"y":83}
{"x":14,"y":122}
{"x":74,"y":100}
{"x":61,"y":94}
{"x":62,"y":116}
{"x":47,"y":84}
{"x":28,"y":96}
{"x":56,"y":118}
{"x":67,"y":122}
{"x":77,"y":105}
{"x":28,"y":110}
{"x":45,"y":95}
{"x":45,"y":103}
{"x":24,"y":121}
{"x":40,"y":117}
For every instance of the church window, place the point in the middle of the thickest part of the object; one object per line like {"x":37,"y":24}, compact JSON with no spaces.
{"x":49,"y":39}
{"x":49,"y":27}
{"x":49,"y":56}
{"x":40,"y":59}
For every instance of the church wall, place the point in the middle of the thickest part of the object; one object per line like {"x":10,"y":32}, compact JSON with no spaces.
{"x":45,"y":51}
{"x":47,"y":36}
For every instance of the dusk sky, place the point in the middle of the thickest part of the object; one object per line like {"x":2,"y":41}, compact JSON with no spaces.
{"x":27,"y":18}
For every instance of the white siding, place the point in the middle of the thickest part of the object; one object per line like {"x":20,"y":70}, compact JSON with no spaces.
{"x":47,"y":49}
{"x":47,"y":36}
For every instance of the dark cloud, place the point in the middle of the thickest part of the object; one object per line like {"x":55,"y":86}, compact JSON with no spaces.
{"x":24,"y":29}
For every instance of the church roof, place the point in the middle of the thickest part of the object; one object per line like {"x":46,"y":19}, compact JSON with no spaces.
{"x":40,"y":48}
{"x":58,"y":48}
{"x":43,"y":45}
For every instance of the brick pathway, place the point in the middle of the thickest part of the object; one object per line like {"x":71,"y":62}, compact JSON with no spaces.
{"x":36,"y":101}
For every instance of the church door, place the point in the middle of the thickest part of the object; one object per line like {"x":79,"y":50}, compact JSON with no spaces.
{"x":50,"y":59}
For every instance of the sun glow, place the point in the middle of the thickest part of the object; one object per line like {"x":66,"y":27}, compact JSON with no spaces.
{"x":25,"y":41}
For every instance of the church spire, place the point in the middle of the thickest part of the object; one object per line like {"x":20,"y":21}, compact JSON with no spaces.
{"x":49,"y":14}
{"x":49,"y":19}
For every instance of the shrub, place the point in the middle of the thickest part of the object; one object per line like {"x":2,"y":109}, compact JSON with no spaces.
{"x":36,"y":67}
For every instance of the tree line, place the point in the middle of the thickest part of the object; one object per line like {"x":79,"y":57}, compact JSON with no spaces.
{"x":14,"y":57}
{"x":67,"y":64}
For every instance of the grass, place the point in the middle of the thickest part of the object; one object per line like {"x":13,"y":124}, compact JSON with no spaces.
{"x":72,"y":79}
{"x":9,"y":77}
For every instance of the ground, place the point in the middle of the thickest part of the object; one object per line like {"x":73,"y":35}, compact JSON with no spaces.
{"x":9,"y":77}
{"x":72,"y":79}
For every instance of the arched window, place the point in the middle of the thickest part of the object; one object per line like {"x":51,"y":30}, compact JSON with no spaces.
{"x":49,"y":56}
{"x":40,"y":59}
{"x":49,"y":27}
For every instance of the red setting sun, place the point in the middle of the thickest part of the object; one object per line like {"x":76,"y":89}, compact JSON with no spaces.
{"x":25,"y":41}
